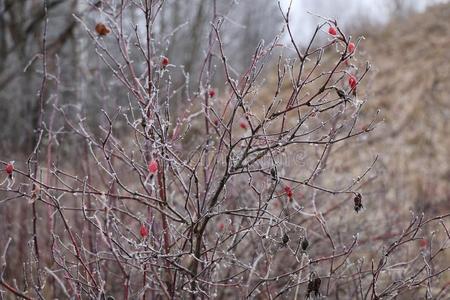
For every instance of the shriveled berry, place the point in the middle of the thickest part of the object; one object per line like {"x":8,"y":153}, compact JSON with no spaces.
{"x":358,"y":202}
{"x":313,"y":286}
{"x":102,"y":29}
{"x":273,"y":173}
{"x":211,"y":93}
{"x":285,"y":239}
{"x":304,"y":244}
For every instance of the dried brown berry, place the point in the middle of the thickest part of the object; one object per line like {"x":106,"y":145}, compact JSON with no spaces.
{"x":341,"y":94}
{"x":273,"y":173}
{"x":304,"y":244}
{"x":285,"y":239}
{"x":358,"y":202}
{"x":313,"y":286}
{"x":102,"y":29}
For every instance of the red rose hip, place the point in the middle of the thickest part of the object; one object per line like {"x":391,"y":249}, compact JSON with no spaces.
{"x":352,"y":82}
{"x":221,"y":226}
{"x":9,"y":169}
{"x":143,"y":231}
{"x":164,"y":61}
{"x":351,"y":47}
{"x":423,"y":243}
{"x":153,"y":166}
{"x":332,"y":31}
{"x":288,"y":191}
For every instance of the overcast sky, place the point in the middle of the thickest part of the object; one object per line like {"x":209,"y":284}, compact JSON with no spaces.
{"x":347,"y":12}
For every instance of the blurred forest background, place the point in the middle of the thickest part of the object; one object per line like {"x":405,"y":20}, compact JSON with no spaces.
{"x":406,"y":42}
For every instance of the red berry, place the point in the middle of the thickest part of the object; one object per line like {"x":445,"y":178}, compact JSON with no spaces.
{"x":332,"y":31}
{"x":351,"y":47}
{"x":143,"y":231}
{"x":288,"y":191}
{"x":211,"y":93}
{"x":9,"y":168}
{"x":352,"y":82}
{"x":153,"y":166}
{"x":243,"y":124}
{"x":164,"y":61}
{"x":423,"y":243}
{"x":221,"y":226}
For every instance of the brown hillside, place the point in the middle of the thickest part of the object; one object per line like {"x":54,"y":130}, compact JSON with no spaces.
{"x":411,"y":84}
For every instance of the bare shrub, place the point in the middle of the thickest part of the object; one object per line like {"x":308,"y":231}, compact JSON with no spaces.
{"x":222,"y":195}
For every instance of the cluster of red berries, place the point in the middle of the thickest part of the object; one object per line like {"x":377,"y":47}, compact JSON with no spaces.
{"x":350,"y":47}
